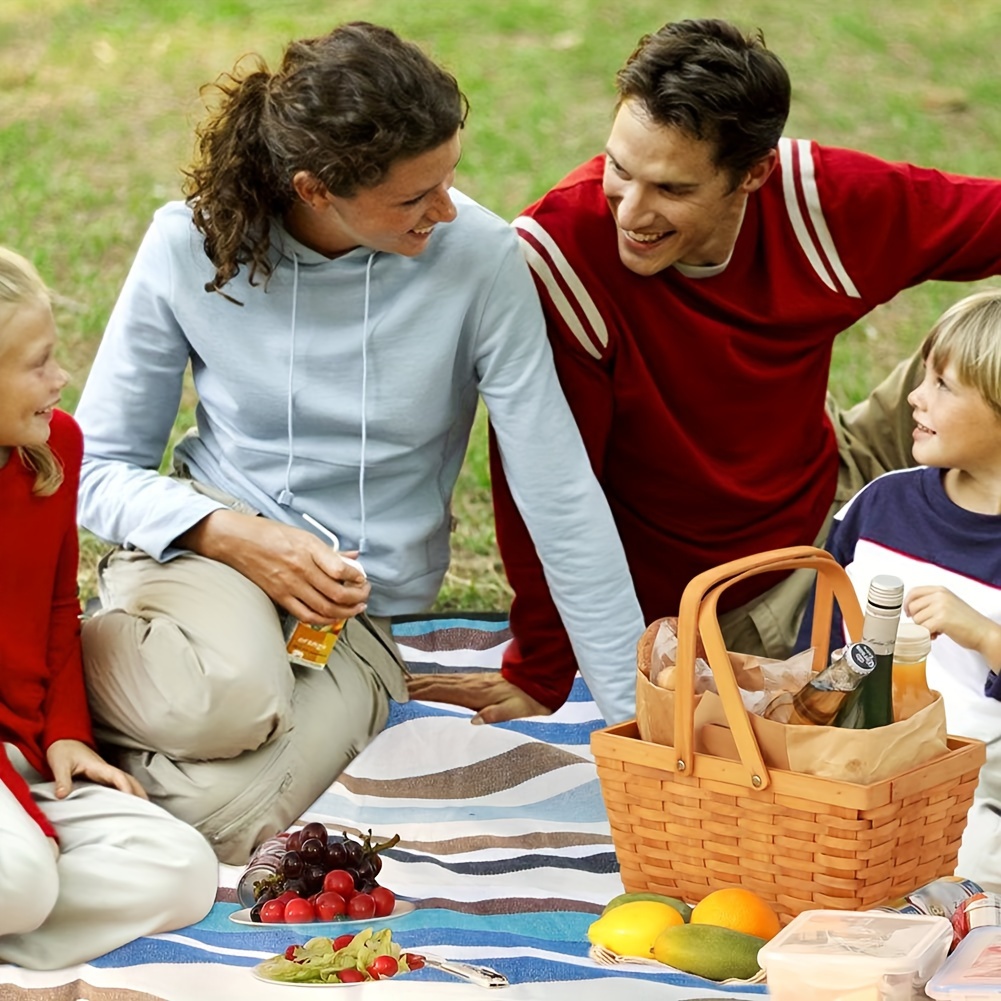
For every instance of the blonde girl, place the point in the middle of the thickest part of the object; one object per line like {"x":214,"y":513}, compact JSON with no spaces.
{"x":86,"y":862}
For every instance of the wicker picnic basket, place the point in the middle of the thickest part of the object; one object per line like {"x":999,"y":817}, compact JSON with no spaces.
{"x":685,"y":823}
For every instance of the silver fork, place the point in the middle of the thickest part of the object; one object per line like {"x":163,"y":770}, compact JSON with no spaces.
{"x":482,"y":976}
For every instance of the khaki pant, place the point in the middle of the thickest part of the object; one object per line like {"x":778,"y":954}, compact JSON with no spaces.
{"x":874,"y":437}
{"x":189,"y":679}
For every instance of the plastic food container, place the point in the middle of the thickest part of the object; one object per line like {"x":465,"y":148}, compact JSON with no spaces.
{"x":973,"y":971}
{"x":854,"y":956}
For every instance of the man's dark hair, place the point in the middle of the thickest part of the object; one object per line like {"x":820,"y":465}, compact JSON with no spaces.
{"x":708,"y":79}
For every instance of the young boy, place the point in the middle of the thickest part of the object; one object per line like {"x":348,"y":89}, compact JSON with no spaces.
{"x":938,"y":528}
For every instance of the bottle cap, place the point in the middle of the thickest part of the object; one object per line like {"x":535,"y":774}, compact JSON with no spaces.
{"x":886,"y":591}
{"x":913,"y":642}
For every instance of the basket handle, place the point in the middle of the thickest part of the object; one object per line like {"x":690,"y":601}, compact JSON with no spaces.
{"x":697,"y":616}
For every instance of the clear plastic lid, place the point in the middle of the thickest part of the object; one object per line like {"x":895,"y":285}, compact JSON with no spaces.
{"x":877,"y":940}
{"x":973,"y":971}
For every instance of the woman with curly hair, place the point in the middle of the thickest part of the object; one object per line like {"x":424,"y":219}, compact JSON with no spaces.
{"x":342,"y":307}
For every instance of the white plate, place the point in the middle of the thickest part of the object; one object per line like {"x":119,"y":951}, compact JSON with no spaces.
{"x":308,"y":983}
{"x":242,"y":917}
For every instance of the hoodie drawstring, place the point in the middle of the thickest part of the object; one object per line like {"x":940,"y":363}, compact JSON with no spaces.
{"x":286,"y":497}
{"x":363,"y":541}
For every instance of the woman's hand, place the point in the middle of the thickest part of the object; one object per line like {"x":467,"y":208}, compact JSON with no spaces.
{"x":940,"y":611}
{"x":290,"y":565}
{"x":492,"y":695}
{"x":67,"y":758}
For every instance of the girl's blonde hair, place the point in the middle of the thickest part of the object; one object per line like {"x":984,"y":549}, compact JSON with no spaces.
{"x":968,"y":334}
{"x":20,"y":283}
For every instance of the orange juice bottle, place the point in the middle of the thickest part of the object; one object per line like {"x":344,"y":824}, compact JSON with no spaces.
{"x":910,"y":685}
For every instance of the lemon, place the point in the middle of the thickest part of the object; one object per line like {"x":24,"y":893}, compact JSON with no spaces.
{"x":631,"y":929}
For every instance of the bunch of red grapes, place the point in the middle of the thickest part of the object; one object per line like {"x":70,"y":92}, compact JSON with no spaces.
{"x":324,"y":877}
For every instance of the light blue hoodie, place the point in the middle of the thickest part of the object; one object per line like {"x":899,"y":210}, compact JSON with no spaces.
{"x":346,"y":389}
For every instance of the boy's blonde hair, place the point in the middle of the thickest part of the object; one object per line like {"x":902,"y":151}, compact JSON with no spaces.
{"x":20,"y":283}
{"x":968,"y":334}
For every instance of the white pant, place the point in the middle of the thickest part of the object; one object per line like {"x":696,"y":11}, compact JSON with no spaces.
{"x":125,"y":868}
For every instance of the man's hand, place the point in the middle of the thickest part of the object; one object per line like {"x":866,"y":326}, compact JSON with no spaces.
{"x":290,"y":565}
{"x":67,"y":758}
{"x":940,"y":611}
{"x":495,"y":699}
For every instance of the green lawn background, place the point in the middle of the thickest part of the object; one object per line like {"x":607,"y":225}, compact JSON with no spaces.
{"x":99,"y":98}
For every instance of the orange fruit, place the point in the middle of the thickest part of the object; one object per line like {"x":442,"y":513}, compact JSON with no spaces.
{"x":739,"y":910}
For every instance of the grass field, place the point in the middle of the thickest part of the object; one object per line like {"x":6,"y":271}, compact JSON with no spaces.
{"x":98,"y":100}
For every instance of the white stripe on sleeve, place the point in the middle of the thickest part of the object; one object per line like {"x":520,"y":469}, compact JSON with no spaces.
{"x":812,"y":196}
{"x":796,"y":216}
{"x":537,"y":262}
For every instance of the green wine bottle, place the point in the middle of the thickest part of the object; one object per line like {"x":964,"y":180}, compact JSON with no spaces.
{"x":871,"y":704}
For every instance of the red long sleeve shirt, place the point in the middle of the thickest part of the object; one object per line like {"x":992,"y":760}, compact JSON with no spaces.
{"x":700,"y":398}
{"x":42,"y":695}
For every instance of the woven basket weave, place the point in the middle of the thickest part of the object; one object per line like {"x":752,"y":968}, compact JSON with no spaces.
{"x":685,"y":823}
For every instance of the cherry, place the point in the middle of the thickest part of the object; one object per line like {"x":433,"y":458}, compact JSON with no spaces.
{"x":385,"y":901}
{"x":339,"y":881}
{"x":385,"y":966}
{"x":290,"y":952}
{"x":351,"y":976}
{"x":299,"y":911}
{"x":330,"y":906}
{"x":414,"y":960}
{"x":273,"y":912}
{"x":343,"y":941}
{"x":361,"y":906}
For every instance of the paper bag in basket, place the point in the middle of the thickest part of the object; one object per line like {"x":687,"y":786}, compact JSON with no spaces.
{"x":862,"y":756}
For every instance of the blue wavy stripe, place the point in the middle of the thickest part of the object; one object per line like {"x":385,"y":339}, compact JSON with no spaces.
{"x":583,"y":803}
{"x":425,"y":626}
{"x":580,"y":692}
{"x":545,"y":932}
{"x":552,"y":926}
{"x":599,"y":862}
{"x":518,"y":970}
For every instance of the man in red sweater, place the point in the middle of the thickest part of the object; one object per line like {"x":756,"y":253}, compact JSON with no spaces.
{"x":694,"y":278}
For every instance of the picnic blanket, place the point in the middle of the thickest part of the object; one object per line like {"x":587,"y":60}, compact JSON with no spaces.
{"x":504,"y":848}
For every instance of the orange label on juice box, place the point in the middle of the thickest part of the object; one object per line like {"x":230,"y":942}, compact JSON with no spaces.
{"x":311,"y":646}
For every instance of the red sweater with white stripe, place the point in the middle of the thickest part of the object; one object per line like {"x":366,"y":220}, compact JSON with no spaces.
{"x":42,"y":696}
{"x":701,"y":397}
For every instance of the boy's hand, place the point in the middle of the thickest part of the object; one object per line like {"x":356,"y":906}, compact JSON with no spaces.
{"x":67,"y":758}
{"x":940,"y":611}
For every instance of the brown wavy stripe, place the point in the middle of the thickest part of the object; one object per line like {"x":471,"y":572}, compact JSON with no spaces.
{"x":73,"y":992}
{"x":456,"y":846}
{"x":535,"y":841}
{"x":457,"y":638}
{"x":511,"y":905}
{"x":483,"y":778}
